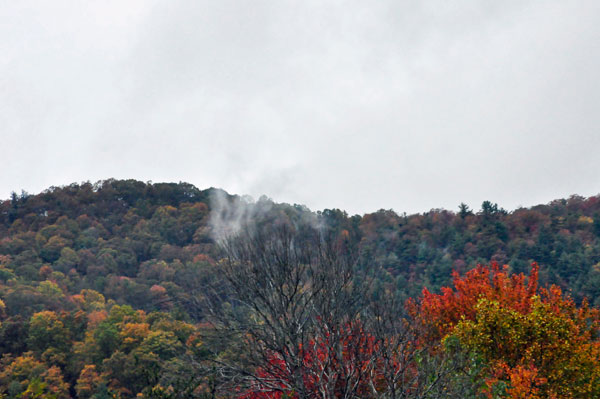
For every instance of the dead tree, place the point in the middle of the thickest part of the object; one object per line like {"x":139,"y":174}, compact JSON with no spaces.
{"x":301,"y":325}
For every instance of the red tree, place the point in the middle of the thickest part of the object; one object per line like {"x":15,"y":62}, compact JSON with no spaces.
{"x":439,"y":313}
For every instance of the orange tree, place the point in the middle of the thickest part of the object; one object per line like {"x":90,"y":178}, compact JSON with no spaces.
{"x":534,"y":343}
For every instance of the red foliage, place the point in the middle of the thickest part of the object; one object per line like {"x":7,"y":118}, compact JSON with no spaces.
{"x":332,"y":364}
{"x":537,"y":344}
{"x":440,"y":313}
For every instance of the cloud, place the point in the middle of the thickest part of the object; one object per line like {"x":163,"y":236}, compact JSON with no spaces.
{"x":354,"y":105}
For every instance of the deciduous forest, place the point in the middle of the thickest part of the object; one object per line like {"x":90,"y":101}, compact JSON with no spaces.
{"x":124,"y":289}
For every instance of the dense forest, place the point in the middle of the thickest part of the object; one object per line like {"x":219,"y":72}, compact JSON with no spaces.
{"x":123,"y":288}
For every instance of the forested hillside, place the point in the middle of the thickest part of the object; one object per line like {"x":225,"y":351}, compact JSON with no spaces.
{"x":104,"y":287}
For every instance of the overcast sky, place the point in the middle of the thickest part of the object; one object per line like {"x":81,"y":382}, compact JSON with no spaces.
{"x":409,"y":105}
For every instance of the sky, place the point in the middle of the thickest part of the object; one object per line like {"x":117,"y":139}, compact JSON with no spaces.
{"x":357,"y":105}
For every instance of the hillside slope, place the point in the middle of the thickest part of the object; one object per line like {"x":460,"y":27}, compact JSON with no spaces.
{"x":100,"y":283}
{"x":123,"y":237}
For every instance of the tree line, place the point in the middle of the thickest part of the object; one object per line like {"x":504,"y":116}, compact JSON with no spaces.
{"x":119,"y":289}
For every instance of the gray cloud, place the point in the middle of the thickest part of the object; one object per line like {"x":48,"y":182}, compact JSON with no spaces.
{"x":358,"y":105}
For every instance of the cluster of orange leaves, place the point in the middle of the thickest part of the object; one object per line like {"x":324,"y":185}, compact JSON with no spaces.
{"x":537,"y":343}
{"x":441,"y":312}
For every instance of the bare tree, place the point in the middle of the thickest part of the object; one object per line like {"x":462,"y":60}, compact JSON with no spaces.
{"x":301,"y":324}
{"x":287,"y":288}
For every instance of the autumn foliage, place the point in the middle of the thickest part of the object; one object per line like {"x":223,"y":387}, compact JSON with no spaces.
{"x":530,"y":342}
{"x":441,"y":312}
{"x":332,"y":365}
{"x":535,"y":343}
{"x":103,"y":289}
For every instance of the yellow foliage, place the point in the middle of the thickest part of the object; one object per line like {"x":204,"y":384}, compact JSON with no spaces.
{"x":88,"y":381}
{"x":548,"y":352}
{"x":134,"y":333}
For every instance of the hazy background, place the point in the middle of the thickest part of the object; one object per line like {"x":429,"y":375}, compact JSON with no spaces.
{"x":407,"y":105}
